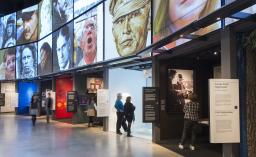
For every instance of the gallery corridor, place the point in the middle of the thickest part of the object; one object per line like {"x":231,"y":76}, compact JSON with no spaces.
{"x":19,"y":138}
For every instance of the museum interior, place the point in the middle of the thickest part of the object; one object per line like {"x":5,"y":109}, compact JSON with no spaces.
{"x":80,"y":77}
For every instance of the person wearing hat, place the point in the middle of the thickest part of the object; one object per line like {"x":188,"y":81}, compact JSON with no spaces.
{"x":9,"y":37}
{"x":131,"y":21}
{"x":180,"y":90}
{"x":30,"y":21}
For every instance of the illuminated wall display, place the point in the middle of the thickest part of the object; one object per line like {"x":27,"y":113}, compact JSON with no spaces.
{"x":8,"y":31}
{"x":88,"y":39}
{"x":81,"y":6}
{"x":45,"y":56}
{"x":130,"y":29}
{"x":26,"y":61}
{"x":63,"y":85}
{"x":7,"y":64}
{"x":45,"y":18}
{"x":63,"y":48}
{"x":62,"y":12}
{"x":27,"y":25}
{"x":172,"y":15}
{"x":25,"y":90}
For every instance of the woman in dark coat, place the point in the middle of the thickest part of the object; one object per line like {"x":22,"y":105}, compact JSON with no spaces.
{"x":34,"y":108}
{"x":129,"y":109}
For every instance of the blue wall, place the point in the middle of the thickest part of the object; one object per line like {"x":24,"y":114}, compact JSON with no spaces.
{"x":26,"y":90}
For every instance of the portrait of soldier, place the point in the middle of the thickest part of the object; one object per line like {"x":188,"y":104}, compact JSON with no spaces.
{"x":27,"y":31}
{"x":10,"y":32}
{"x":131,"y":23}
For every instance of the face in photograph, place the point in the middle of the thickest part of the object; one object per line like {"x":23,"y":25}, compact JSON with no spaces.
{"x":45,"y":56}
{"x":27,"y":32}
{"x":131,"y":22}
{"x":86,"y":36}
{"x":28,"y":61}
{"x":10,"y":31}
{"x":64,"y":48}
{"x":62,"y":12}
{"x":9,"y":59}
{"x":172,"y":15}
{"x":45,"y":14}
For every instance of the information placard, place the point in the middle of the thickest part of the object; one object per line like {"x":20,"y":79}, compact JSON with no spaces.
{"x":150,"y":103}
{"x":72,"y":101}
{"x":103,"y":106}
{"x":224,"y":111}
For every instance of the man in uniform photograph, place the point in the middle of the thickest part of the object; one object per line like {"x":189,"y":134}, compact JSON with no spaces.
{"x":131,"y":22}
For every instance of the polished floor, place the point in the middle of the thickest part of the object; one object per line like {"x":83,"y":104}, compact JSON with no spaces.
{"x":18,"y":138}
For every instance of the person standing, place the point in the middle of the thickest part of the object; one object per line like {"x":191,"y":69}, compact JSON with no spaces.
{"x":49,"y":103}
{"x":129,"y":109}
{"x":91,"y":112}
{"x":34,"y":108}
{"x":191,"y":110}
{"x":120,"y":115}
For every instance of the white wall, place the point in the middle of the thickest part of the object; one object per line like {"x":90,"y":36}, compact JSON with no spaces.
{"x":129,"y":82}
{"x":9,"y":90}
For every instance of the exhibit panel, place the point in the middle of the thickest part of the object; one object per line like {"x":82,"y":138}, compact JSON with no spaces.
{"x":63,"y":85}
{"x":129,"y":83}
{"x":127,"y":27}
{"x":11,"y":100}
{"x":25,"y":90}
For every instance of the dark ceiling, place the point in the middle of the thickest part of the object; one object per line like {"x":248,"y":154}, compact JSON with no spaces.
{"x":10,"y":6}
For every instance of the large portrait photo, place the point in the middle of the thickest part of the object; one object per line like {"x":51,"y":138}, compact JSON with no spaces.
{"x":26,"y":61}
{"x":62,"y":12}
{"x":180,"y":86}
{"x":172,"y":15}
{"x":9,"y":34}
{"x":45,"y":18}
{"x":88,"y":39}
{"x":63,"y":48}
{"x":27,"y":25}
{"x":45,"y":56}
{"x":130,"y":29}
